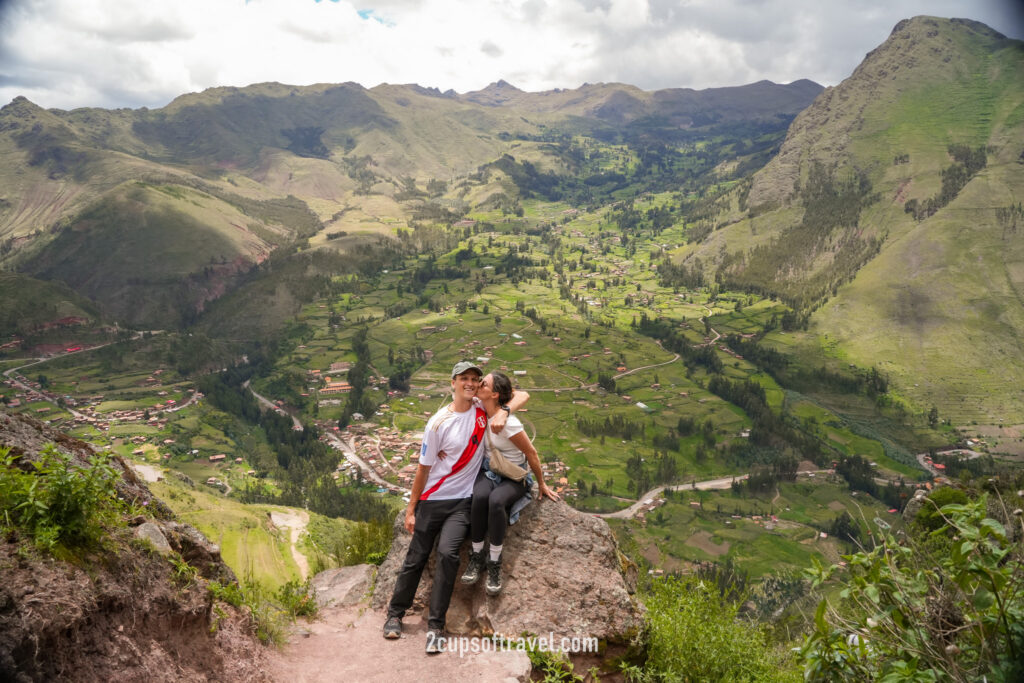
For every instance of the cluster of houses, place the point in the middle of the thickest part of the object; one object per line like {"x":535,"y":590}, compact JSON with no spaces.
{"x":327,"y":384}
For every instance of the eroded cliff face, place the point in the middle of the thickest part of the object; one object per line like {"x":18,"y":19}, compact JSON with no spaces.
{"x":120,"y":611}
{"x":562,"y":574}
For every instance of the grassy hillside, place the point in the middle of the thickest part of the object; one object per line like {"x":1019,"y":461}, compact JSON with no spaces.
{"x":150,"y":255}
{"x":874,"y":205}
{"x":27,"y":305}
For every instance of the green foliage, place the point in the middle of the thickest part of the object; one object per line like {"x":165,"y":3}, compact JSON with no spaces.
{"x":909,"y":613}
{"x":555,"y":666}
{"x":298,"y":598}
{"x":230,"y":593}
{"x":830,"y":224}
{"x":693,"y":634}
{"x":930,"y":517}
{"x":58,"y":503}
{"x":267,"y":618}
{"x":363,"y":542}
{"x":269,"y":611}
{"x":184,"y":573}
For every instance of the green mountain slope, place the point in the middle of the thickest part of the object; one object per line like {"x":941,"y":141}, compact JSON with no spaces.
{"x":229,"y":174}
{"x":27,"y":305}
{"x":905,"y":182}
{"x":145,"y":258}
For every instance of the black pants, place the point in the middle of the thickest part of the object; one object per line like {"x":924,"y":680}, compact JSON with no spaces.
{"x":448,"y":519}
{"x":491,"y":503}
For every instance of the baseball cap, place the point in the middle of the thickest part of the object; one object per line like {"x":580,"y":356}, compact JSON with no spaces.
{"x":464,"y":365}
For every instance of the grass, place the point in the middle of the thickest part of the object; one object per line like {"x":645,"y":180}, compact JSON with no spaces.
{"x":678,"y":532}
{"x":247,"y":543}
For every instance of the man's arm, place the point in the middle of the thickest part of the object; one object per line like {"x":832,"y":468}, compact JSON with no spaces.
{"x":422,"y":472}
{"x":519,"y":399}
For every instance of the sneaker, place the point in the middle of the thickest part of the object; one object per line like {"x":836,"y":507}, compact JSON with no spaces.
{"x":435,"y":641}
{"x":493,"y":577}
{"x":474,"y":569}
{"x":393,"y":628}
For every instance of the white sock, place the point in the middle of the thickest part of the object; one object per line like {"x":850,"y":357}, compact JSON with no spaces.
{"x":477,"y":547}
{"x":495,"y":552}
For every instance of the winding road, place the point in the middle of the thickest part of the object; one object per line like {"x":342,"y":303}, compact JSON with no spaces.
{"x":267,"y":403}
{"x":350,"y":455}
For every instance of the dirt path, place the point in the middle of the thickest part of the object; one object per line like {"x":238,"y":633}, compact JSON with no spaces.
{"x":295,"y":522}
{"x":711,"y":329}
{"x":149,"y":473}
{"x":646,"y":367}
{"x":345,"y":644}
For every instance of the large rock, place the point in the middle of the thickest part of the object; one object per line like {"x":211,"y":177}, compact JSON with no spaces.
{"x":562,"y":574}
{"x":344,"y":586}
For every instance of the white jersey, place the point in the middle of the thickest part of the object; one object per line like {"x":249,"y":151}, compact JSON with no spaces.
{"x":453,"y":476}
{"x":502,"y":441}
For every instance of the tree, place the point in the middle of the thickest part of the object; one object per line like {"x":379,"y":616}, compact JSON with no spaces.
{"x":933,"y":417}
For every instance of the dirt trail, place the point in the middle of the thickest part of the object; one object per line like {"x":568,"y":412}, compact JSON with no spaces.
{"x":149,"y":473}
{"x":345,"y":644}
{"x":296,"y":523}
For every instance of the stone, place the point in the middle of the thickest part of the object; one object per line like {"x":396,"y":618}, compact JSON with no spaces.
{"x":562,"y":571}
{"x":151,"y":532}
{"x":913,"y":505}
{"x":343,"y":587}
{"x":198,"y":551}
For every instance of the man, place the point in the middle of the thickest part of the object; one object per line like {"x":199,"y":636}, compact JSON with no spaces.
{"x":439,"y":504}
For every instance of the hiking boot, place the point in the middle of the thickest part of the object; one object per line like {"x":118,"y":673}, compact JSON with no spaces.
{"x":393,"y":628}
{"x":493,"y":577}
{"x":474,"y":569}
{"x":435,"y":641}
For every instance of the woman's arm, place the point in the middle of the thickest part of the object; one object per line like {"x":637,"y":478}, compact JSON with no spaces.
{"x":522,"y":442}
{"x":519,"y":399}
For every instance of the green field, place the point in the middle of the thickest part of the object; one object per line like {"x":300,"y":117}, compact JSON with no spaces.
{"x":710,"y":526}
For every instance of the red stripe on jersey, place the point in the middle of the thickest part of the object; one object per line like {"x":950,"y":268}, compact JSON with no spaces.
{"x":467,"y":455}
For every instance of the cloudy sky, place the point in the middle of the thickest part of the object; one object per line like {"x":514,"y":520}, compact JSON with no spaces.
{"x":130,"y":53}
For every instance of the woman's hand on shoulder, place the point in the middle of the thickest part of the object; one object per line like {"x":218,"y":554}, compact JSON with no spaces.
{"x":498,"y":421}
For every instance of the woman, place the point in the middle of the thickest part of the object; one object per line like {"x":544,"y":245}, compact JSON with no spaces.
{"x":493,"y":494}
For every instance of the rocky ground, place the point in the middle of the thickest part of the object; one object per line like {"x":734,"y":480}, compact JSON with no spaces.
{"x":345,"y":643}
{"x":120,"y":611}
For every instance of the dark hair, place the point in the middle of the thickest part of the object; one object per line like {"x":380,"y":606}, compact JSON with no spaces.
{"x":502,"y":387}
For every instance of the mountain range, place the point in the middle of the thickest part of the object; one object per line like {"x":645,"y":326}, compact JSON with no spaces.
{"x":885,"y":211}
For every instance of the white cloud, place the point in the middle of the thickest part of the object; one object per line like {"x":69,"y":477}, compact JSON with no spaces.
{"x":68,"y":53}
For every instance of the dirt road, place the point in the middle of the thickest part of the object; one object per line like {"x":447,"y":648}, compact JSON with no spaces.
{"x":295,"y":521}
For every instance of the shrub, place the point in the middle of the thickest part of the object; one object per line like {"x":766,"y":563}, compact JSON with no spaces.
{"x":298,"y":599}
{"x":58,"y":502}
{"x":913,"y":611}
{"x":693,"y":634}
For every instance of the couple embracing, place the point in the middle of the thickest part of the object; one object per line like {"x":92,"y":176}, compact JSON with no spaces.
{"x":472,"y":474}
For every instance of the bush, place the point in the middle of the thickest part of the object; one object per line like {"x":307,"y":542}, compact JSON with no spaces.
{"x":58,"y":503}
{"x":297,"y":598}
{"x":910,"y":612}
{"x":693,"y":634}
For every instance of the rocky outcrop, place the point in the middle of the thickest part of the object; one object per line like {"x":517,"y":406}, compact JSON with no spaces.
{"x":913,"y":505}
{"x":562,"y":574}
{"x":123,"y":610}
{"x":343,"y":587}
